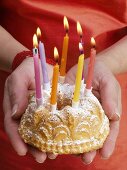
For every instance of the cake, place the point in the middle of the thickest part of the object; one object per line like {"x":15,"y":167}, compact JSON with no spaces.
{"x":67,"y":130}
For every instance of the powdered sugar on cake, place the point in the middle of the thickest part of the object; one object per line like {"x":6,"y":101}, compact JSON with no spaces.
{"x":86,"y":119}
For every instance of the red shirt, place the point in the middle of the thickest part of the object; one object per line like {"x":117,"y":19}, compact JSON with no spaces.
{"x":105,"y":20}
{"x":98,"y":18}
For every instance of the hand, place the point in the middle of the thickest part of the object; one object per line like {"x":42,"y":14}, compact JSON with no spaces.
{"x":15,"y":101}
{"x":107,"y":90}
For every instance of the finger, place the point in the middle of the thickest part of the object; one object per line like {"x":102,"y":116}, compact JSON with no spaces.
{"x":109,"y":144}
{"x":52,"y":156}
{"x":120,"y":102}
{"x":39,"y":156}
{"x":87,"y":158}
{"x":69,"y":79}
{"x":18,"y":93}
{"x":97,"y":94}
{"x":111,"y":102}
{"x":11,"y":127}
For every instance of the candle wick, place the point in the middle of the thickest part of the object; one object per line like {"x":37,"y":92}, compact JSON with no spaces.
{"x":66,"y":31}
{"x":81,"y":38}
{"x":94,"y":47}
{"x":56,"y":60}
{"x":35,"y":50}
{"x":81,"y":52}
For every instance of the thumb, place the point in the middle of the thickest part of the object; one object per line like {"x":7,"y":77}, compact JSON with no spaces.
{"x":111,"y":97}
{"x":11,"y":126}
{"x":18,"y":93}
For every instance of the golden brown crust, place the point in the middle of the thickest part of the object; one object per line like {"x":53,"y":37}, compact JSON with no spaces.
{"x":66,"y":131}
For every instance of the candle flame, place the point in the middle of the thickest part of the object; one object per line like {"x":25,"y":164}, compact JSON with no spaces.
{"x":38,"y":32}
{"x":79,"y":29}
{"x":80,"y":46}
{"x":35,"y":42}
{"x":56,"y":54}
{"x":93,"y":42}
{"x":66,"y":25}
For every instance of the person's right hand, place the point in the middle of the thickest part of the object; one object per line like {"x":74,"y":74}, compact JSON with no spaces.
{"x":15,"y":101}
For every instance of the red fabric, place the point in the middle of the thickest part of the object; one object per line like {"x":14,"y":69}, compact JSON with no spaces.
{"x":106,"y":21}
{"x":98,"y":18}
{"x":19,"y":58}
{"x":24,"y":54}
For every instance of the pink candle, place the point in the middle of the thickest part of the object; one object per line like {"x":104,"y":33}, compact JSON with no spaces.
{"x":37,"y":71}
{"x":91,"y":65}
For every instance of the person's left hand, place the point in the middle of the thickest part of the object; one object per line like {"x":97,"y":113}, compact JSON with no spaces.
{"x":107,"y":90}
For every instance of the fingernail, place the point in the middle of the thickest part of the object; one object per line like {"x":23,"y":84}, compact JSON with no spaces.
{"x":21,"y":153}
{"x":106,"y":155}
{"x":14,"y":109}
{"x":118,"y":115}
{"x":39,"y":161}
{"x":115,"y":115}
{"x":105,"y":158}
{"x":87,"y":162}
{"x":52,"y":156}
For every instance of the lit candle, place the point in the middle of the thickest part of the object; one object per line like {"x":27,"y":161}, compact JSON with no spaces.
{"x":82,"y":52}
{"x":91,"y":64}
{"x":64,"y":52}
{"x":37,"y":71}
{"x":46,"y":82}
{"x":55,"y":81}
{"x":75,"y":101}
{"x":79,"y":30}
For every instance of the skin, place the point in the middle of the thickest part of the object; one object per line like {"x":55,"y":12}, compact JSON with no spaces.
{"x":105,"y":87}
{"x":104,"y":83}
{"x":15,"y":101}
{"x":14,"y":104}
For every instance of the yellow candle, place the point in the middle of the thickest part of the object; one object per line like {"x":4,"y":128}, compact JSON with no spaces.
{"x":65,"y":49}
{"x":55,"y":79}
{"x":78,"y":78}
